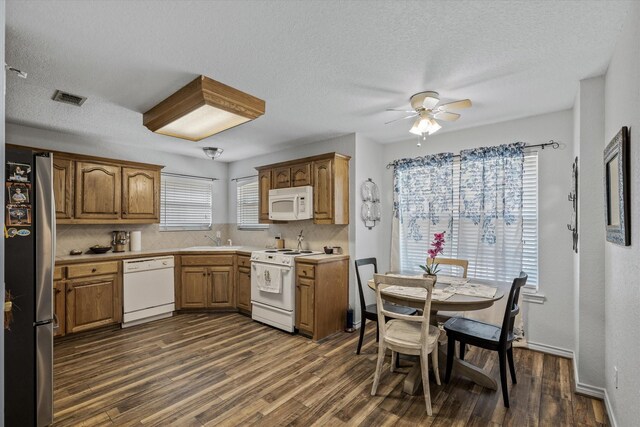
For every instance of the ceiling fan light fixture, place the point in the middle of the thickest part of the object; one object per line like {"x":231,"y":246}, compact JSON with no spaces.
{"x":212,"y":152}
{"x":202,"y":108}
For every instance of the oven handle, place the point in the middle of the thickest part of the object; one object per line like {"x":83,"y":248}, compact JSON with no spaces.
{"x":284,"y":269}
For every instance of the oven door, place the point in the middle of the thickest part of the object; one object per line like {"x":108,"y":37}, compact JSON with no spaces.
{"x":284,"y":300}
{"x":283,"y":208}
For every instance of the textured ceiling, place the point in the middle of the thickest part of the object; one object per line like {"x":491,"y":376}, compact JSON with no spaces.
{"x":324,"y":68}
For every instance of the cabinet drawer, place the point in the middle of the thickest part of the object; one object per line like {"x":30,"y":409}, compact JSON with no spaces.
{"x":305,"y":270}
{"x":83,"y":270}
{"x":244,"y":261}
{"x":207,"y":260}
{"x":58,"y":273}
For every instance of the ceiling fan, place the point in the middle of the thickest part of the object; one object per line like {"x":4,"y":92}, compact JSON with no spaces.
{"x":426,"y":109}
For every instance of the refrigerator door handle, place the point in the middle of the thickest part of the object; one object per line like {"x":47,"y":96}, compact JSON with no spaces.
{"x":44,"y":375}
{"x":45,"y":237}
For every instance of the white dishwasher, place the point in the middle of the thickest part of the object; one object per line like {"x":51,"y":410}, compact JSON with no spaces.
{"x":148,"y":289}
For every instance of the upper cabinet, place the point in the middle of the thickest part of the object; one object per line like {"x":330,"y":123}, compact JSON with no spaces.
{"x":327,"y":173}
{"x":90,"y":190}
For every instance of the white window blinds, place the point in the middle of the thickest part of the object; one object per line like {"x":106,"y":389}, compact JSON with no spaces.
{"x":414,"y":253}
{"x":185,"y":203}
{"x":247,"y":204}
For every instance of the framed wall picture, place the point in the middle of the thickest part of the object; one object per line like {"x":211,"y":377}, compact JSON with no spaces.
{"x":616,"y":189}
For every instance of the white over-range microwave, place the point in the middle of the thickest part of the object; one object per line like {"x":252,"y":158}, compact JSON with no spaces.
{"x":291,"y":204}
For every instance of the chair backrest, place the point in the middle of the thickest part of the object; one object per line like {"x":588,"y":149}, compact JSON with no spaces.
{"x":360,"y":263}
{"x":512,"y":308}
{"x":383,"y":281}
{"x":463,"y":263}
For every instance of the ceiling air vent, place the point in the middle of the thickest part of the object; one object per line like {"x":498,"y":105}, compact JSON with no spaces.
{"x":68,"y":98}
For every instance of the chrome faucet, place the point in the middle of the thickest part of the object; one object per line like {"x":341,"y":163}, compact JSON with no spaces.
{"x":300,"y":239}
{"x":216,"y":241}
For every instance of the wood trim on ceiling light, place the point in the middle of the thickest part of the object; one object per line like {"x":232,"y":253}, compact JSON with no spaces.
{"x":238,"y":106}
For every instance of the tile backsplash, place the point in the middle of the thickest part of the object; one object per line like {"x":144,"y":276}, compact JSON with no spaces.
{"x":81,"y":237}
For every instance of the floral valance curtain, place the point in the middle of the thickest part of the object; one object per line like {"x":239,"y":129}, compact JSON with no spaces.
{"x":490,"y":226}
{"x":422,"y":205}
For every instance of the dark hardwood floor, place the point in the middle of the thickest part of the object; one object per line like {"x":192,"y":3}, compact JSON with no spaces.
{"x":226,"y":370}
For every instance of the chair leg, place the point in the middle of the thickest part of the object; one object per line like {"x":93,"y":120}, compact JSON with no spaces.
{"x":451,"y":348}
{"x":382,"y":349}
{"x":424,"y":362}
{"x":377,"y":332}
{"x":502,"y":357}
{"x":394,"y":360}
{"x":462,"y":349}
{"x":436,"y":365}
{"x":362,"y":327}
{"x":512,"y":367}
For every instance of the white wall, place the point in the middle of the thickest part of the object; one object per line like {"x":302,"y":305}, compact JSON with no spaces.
{"x":48,"y":139}
{"x":622,"y":264}
{"x":556,"y":280}
{"x":589,"y":261}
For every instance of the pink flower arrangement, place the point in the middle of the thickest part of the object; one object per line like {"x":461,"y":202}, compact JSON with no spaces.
{"x":437,"y":247}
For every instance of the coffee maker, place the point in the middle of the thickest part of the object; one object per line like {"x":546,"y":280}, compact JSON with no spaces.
{"x":119,"y":240}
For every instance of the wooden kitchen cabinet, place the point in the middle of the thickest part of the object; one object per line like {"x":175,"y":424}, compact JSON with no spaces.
{"x":243,"y":284}
{"x":140,"y":193}
{"x":92,"y":302}
{"x":98,"y":190}
{"x":322,"y":295}
{"x":207,"y":281}
{"x":264,"y":185}
{"x":63,"y":190}
{"x":327,"y":173}
{"x":59,"y":307}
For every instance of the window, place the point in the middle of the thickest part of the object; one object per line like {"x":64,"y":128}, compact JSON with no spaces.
{"x":413,"y":253}
{"x":185,"y":203}
{"x":247,"y":204}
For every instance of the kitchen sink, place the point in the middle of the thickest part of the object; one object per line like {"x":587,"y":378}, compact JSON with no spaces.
{"x":212,"y":248}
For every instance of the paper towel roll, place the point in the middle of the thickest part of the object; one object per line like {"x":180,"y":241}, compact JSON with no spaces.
{"x":136,"y":240}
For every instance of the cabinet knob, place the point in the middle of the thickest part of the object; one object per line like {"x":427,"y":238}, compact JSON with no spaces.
{"x":204,"y":274}
{"x":69,"y":289}
{"x":93,"y":270}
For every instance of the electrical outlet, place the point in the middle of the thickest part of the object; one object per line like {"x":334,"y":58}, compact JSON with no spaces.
{"x":615,"y":376}
{"x":218,"y":234}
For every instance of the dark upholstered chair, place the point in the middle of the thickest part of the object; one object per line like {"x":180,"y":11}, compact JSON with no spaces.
{"x":487,"y":336}
{"x":370,"y":311}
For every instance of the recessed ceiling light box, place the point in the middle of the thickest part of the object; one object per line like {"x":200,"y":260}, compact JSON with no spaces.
{"x":202,"y":108}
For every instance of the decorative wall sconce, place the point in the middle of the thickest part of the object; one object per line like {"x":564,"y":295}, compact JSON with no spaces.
{"x":370,"y":211}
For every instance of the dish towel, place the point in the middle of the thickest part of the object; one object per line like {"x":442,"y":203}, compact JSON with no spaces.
{"x":269,"y":278}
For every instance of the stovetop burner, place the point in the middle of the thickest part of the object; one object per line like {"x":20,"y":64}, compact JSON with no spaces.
{"x":271,"y":251}
{"x":295,"y":253}
{"x":306,"y":252}
{"x":285,"y":250}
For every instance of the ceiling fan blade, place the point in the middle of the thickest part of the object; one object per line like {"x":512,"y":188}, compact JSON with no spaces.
{"x":402,"y":111}
{"x":445,"y":115}
{"x":402,"y":118}
{"x":455,"y":105}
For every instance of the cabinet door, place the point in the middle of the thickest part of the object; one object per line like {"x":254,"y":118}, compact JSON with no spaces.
{"x":305,"y":304}
{"x":323,"y":190}
{"x":140,"y":194}
{"x":193,"y":285}
{"x":63,"y":187}
{"x":244,"y":288}
{"x":59,"y":309}
{"x":264,"y":185}
{"x":281,"y":177}
{"x":98,"y":191}
{"x":301,"y":175}
{"x":220,"y":289}
{"x":92,"y":303}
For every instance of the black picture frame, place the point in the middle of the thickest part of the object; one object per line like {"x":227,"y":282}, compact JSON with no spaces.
{"x":616,"y":189}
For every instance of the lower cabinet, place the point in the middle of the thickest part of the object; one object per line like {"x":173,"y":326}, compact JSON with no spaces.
{"x":203,"y":286}
{"x":92,"y":302}
{"x":322,"y":296}
{"x":243,"y":284}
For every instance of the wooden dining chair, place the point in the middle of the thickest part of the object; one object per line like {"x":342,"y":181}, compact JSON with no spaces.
{"x":405,"y":334}
{"x":370,"y":311}
{"x":462,"y":263}
{"x":488,"y":336}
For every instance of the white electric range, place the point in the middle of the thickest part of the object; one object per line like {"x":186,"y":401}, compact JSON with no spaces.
{"x":273,"y":286}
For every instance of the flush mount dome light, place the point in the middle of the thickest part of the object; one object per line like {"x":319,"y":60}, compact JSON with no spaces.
{"x":202,"y":108}
{"x":212,"y":152}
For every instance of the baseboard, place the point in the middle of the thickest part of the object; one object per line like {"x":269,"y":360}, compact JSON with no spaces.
{"x":356,"y":325}
{"x":607,"y":404}
{"x":549,"y":349}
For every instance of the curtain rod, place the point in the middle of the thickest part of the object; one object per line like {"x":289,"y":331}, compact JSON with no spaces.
{"x":553,"y":144}
{"x":190,"y":176}
{"x":243,"y":177}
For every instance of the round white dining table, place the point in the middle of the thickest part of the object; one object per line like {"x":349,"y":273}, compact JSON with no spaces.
{"x":455,"y":303}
